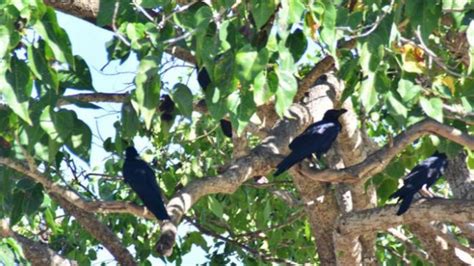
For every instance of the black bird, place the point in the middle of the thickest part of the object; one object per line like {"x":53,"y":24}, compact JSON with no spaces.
{"x":138,"y":174}
{"x":317,"y":138}
{"x":426,"y":173}
{"x":203,"y":78}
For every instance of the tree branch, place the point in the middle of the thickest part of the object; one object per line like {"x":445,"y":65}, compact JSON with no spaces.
{"x":260,"y":161}
{"x":377,"y":161}
{"x":74,"y":204}
{"x":89,"y":9}
{"x":423,"y":210}
{"x":35,"y":252}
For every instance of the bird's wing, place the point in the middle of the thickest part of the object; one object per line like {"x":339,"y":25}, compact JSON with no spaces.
{"x":315,"y":132}
{"x":143,"y":182}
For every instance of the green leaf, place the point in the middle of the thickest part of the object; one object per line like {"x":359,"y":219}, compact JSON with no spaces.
{"x":328,"y":32}
{"x":287,"y":87}
{"x":80,"y":140}
{"x":396,"y":105}
{"x":407,"y":90}
{"x":105,"y":15}
{"x":297,"y":43}
{"x":296,"y":10}
{"x":223,"y":73}
{"x":262,"y":92}
{"x":58,"y":125}
{"x":7,"y":257}
{"x":153,"y":3}
{"x":245,"y":110}
{"x":368,"y":94}
{"x":40,"y":67}
{"x":262,"y":10}
{"x":56,"y":38}
{"x":4,"y":40}
{"x":130,"y":122}
{"x":433,"y":108}
{"x":424,"y":15}
{"x":215,"y":206}
{"x":183,"y":97}
{"x":17,"y":210}
{"x":79,"y":78}
{"x":148,"y":87}
{"x":15,"y":88}
{"x":197,"y":239}
{"x":249,"y":62}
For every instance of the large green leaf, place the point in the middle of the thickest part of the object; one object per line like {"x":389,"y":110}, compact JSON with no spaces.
{"x":148,"y":87}
{"x":15,"y":86}
{"x":433,"y":107}
{"x":408,"y":91}
{"x":56,"y":38}
{"x":395,"y":105}
{"x":78,"y":78}
{"x":40,"y":67}
{"x":249,"y":62}
{"x":80,"y":140}
{"x":4,"y":40}
{"x":183,"y":97}
{"x":262,"y":10}
{"x":368,"y":94}
{"x":58,"y":125}
{"x":297,"y":43}
{"x":287,"y":87}
{"x":130,"y":122}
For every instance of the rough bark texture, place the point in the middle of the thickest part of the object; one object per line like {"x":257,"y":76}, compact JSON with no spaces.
{"x":99,"y":231}
{"x":37,"y":253}
{"x":459,"y":178}
{"x":347,"y":240}
{"x":323,"y":211}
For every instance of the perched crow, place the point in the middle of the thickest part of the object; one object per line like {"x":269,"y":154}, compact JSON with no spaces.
{"x":141,"y":178}
{"x":317,"y":138}
{"x":425,"y":173}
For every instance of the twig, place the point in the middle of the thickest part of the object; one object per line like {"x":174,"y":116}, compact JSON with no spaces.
{"x":114,"y":25}
{"x":257,"y":253}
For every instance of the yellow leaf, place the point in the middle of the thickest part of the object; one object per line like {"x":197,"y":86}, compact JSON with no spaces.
{"x":413,"y":58}
{"x":448,"y":81}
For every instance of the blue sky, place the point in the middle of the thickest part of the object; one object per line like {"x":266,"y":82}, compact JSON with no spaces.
{"x":88,"y":41}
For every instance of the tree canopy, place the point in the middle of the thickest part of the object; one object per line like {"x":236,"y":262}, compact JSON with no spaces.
{"x":402,"y":69}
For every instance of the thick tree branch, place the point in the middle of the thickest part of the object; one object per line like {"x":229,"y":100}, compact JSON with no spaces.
{"x":89,"y":9}
{"x":260,"y":161}
{"x":74,"y":204}
{"x":99,"y":231}
{"x":377,"y":161}
{"x":35,"y":252}
{"x":382,"y":218}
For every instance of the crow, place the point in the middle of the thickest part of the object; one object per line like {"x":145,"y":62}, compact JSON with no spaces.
{"x":203,"y":78}
{"x":317,"y":138}
{"x":425,"y":173}
{"x":139,"y":175}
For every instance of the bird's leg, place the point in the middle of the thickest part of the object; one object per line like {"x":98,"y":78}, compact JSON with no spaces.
{"x":425,"y":193}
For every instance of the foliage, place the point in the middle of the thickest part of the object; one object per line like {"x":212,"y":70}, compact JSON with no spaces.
{"x":255,"y":52}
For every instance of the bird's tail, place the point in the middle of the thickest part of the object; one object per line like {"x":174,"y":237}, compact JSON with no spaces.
{"x":286,"y":164}
{"x":406,"y":202}
{"x":157,"y":207}
{"x":405,"y":195}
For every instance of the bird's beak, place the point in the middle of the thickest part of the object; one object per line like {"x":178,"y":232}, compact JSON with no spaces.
{"x":342,"y":111}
